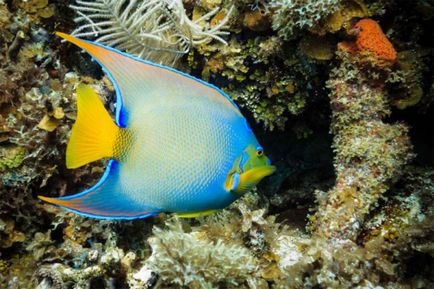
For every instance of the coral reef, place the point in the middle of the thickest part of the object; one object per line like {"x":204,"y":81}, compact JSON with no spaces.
{"x":361,"y":70}
{"x":247,"y":66}
{"x":373,"y":259}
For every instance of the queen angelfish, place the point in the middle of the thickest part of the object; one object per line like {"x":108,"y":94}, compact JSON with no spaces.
{"x":178,"y":144}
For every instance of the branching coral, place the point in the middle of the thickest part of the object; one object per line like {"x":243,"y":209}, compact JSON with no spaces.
{"x":154,"y":30}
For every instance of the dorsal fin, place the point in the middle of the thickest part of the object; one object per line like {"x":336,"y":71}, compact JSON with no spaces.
{"x":135,"y":79}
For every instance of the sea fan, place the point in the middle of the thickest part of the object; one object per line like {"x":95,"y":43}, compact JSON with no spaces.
{"x":157,"y":30}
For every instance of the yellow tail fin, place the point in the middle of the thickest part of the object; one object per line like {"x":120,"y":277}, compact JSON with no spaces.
{"x":94,"y":132}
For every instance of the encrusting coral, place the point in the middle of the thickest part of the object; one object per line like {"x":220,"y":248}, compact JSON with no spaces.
{"x":298,"y":14}
{"x":8,"y":234}
{"x":37,"y":8}
{"x":407,"y":79}
{"x":369,"y":153}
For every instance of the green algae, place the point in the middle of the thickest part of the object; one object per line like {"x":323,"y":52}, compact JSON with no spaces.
{"x":11,"y":157}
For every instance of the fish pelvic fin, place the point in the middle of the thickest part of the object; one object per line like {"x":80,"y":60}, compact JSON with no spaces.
{"x":196,"y":214}
{"x":94,"y":133}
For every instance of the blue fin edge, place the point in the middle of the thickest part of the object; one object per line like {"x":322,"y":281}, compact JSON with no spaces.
{"x":109,"y":217}
{"x":121,"y":116}
{"x":111,"y":164}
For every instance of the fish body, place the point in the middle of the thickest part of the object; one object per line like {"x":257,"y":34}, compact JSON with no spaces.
{"x":178,"y":145}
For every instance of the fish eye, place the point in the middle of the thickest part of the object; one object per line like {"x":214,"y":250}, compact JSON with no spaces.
{"x":259,"y":151}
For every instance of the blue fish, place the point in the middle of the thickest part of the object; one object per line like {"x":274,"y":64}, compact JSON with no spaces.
{"x":178,"y":144}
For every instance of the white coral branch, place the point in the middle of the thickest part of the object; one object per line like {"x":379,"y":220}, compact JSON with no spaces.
{"x":157,"y":30}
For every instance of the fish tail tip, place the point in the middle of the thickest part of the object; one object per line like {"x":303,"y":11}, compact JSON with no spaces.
{"x":45,"y":199}
{"x":53,"y":201}
{"x":65,"y":36}
{"x":60,"y":34}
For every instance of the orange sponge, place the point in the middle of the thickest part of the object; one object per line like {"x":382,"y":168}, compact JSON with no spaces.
{"x":370,"y":37}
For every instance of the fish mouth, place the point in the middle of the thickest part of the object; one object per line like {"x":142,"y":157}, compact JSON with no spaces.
{"x":255,"y":175}
{"x":252,"y":177}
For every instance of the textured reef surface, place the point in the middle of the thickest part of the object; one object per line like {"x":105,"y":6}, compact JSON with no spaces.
{"x":339,"y":92}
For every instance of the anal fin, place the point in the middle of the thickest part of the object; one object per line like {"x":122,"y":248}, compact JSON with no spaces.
{"x":105,"y":200}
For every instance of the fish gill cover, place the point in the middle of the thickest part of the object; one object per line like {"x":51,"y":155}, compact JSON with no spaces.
{"x":345,"y":115}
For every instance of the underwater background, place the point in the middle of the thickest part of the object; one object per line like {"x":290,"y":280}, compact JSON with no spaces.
{"x":340,"y":94}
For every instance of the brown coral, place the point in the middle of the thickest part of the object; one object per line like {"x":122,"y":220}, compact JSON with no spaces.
{"x":8,"y":233}
{"x":317,"y":47}
{"x":370,"y":38}
{"x":342,"y":18}
{"x":257,"y":20}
